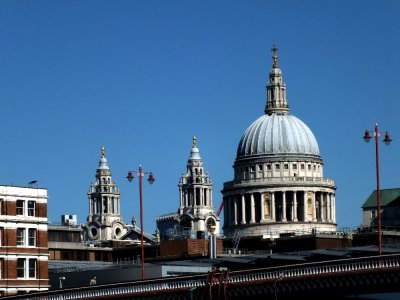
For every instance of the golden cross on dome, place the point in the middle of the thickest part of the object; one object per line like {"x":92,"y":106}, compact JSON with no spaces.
{"x":102,"y":152}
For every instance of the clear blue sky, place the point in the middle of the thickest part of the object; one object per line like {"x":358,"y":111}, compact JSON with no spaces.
{"x":142,"y":77}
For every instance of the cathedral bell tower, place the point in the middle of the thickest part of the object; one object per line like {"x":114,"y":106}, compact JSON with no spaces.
{"x":104,"y":221}
{"x":196,"y":212}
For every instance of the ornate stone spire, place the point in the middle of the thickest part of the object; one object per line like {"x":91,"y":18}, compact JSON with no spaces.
{"x":276,"y":88}
{"x":195,"y":190}
{"x":104,"y":221}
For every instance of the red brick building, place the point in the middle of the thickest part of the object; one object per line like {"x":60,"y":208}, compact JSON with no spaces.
{"x":23,"y":240}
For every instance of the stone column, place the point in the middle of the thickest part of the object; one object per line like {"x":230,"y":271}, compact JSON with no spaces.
{"x":329,"y":207}
{"x":181,"y":195}
{"x":194,"y":197}
{"x":262,"y":203}
{"x":305,"y":218}
{"x":252,"y":209}
{"x":235,"y":216}
{"x":273,"y":212}
{"x":314,"y":213}
{"x":322,"y":207}
{"x":91,"y":206}
{"x":295,"y":206}
{"x":284,"y":206}
{"x":243,"y":210}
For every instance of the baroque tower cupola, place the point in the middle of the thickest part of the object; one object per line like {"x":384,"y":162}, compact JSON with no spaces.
{"x":196,"y":212}
{"x":276,"y":89}
{"x":104,"y":221}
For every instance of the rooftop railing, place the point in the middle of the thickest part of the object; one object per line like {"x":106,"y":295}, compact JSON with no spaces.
{"x":340,"y":266}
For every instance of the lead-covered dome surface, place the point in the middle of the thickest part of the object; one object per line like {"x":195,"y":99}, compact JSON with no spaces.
{"x":277,"y":134}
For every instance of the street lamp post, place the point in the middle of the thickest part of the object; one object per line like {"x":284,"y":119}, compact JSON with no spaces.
{"x":60,"y":283}
{"x":151,"y":179}
{"x":367,"y":137}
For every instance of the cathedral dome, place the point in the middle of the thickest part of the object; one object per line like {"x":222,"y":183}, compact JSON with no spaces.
{"x":278,"y":185}
{"x":277,"y":134}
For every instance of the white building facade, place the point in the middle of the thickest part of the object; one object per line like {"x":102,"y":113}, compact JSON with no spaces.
{"x":279,"y":185}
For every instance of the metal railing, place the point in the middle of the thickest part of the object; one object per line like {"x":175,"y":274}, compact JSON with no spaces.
{"x":180,"y":283}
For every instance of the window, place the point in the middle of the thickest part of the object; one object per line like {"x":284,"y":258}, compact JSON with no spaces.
{"x":1,"y":206}
{"x":294,"y":166}
{"x":277,"y":167}
{"x":20,"y":207}
{"x":286,"y":166}
{"x":268,"y":167}
{"x":260,"y":167}
{"x":22,"y":271}
{"x":302,"y":166}
{"x":20,"y":236}
{"x":31,"y":208}
{"x":309,"y":167}
{"x":105,"y":205}
{"x":315,"y":167}
{"x":31,"y":237}
{"x":253,"y":168}
{"x":1,"y":268}
{"x":32,"y":268}
{"x":20,"y":267}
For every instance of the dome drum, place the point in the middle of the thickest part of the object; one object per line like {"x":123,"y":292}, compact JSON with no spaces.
{"x":263,"y":185}
{"x":278,"y":170}
{"x":266,"y":158}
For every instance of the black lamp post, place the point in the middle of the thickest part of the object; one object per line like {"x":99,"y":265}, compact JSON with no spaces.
{"x":367,"y":137}
{"x":151,"y":179}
